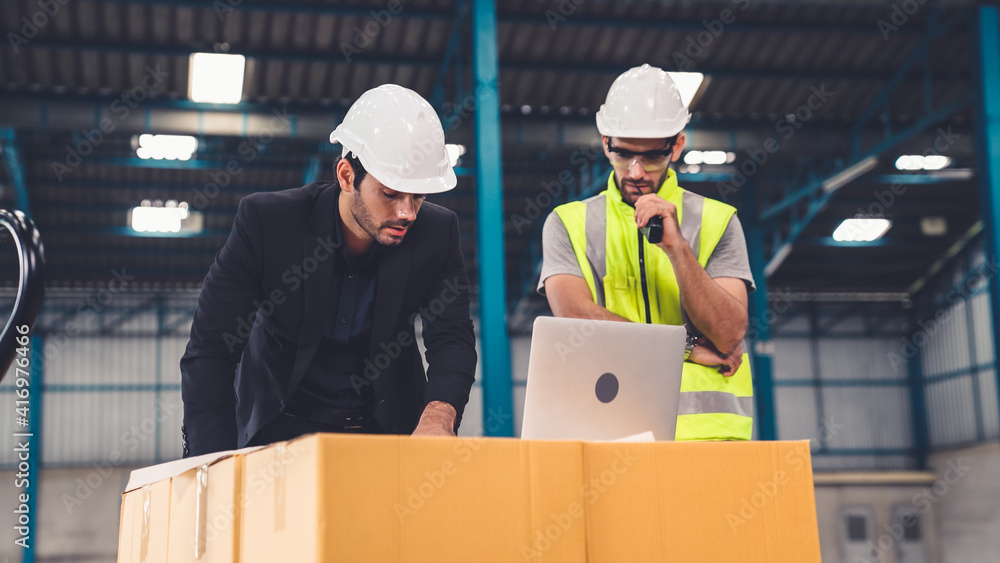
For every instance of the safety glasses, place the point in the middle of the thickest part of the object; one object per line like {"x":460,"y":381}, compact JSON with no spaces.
{"x":651,"y":161}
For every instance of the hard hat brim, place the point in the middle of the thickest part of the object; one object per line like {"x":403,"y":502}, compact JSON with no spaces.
{"x":433,"y":185}
{"x":665,"y":132}
{"x":422,"y":185}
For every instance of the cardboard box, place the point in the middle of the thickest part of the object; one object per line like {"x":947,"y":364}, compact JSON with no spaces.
{"x":145,"y":521}
{"x":700,"y":501}
{"x":337,"y":497}
{"x":184,"y":511}
{"x":330,"y":497}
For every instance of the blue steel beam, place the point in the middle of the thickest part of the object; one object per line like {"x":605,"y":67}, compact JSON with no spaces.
{"x":918,"y":404}
{"x":498,"y":404}
{"x":882,"y":242}
{"x":37,"y":379}
{"x":314,"y":166}
{"x":815,"y":191}
{"x":988,"y":120}
{"x":451,"y":50}
{"x":759,"y":331}
{"x":15,"y":170}
{"x":818,"y":202}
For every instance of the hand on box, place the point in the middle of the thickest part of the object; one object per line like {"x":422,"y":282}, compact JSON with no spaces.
{"x":438,"y":419}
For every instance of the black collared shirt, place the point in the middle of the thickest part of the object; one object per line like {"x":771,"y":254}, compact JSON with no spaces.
{"x":344,"y":348}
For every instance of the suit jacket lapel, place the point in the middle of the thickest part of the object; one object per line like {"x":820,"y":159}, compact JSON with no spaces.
{"x":316,"y":286}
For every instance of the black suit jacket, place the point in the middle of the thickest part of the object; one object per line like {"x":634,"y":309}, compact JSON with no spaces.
{"x":261,"y":313}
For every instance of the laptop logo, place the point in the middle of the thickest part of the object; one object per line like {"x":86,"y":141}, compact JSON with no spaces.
{"x":606,"y":388}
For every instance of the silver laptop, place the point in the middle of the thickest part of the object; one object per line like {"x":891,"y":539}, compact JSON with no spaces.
{"x":602,"y":380}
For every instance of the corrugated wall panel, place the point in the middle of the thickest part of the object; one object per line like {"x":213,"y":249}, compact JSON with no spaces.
{"x":792,"y":359}
{"x":796,"y":407}
{"x":867,"y":417}
{"x":852,"y":416}
{"x":950,"y":414}
{"x":988,"y":404}
{"x":858,"y":358}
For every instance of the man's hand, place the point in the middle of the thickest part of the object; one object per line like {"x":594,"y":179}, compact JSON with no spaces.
{"x":652,"y":205}
{"x":705,"y":354}
{"x":438,"y":419}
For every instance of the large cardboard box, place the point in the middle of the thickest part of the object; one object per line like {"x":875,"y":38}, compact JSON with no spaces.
{"x":700,"y":501}
{"x":184,"y":511}
{"x":333,"y":497}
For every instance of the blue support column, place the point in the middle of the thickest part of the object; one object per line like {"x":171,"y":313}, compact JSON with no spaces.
{"x":37,"y":370}
{"x":498,"y":405}
{"x":760,"y":319}
{"x":918,"y":404}
{"x":988,"y":106}
{"x":12,"y":158}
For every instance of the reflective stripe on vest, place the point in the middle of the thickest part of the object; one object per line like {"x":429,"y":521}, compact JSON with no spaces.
{"x":712,"y":407}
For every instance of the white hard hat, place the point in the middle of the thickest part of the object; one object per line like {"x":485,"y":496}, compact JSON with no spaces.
{"x":643,"y":103}
{"x":398,"y":138}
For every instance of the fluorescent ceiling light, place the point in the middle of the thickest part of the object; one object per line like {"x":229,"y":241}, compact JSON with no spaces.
{"x":688,"y":84}
{"x":714,"y":157}
{"x":454,"y":151}
{"x":861,"y":229}
{"x":921,"y":162}
{"x":933,"y":226}
{"x":216,"y":78}
{"x":707,"y":157}
{"x":694,"y":157}
{"x":850,"y":173}
{"x":169,"y":147}
{"x":156,"y":217}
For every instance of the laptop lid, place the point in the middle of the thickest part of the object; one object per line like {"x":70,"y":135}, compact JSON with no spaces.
{"x":602,"y":380}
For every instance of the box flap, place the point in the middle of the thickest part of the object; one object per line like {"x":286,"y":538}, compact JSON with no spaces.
{"x":154,"y":473}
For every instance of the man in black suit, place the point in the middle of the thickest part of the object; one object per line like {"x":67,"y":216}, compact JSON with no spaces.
{"x":305,"y":320}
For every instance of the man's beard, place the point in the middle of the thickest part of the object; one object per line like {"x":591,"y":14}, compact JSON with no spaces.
{"x":364,"y":219}
{"x":626,"y":185}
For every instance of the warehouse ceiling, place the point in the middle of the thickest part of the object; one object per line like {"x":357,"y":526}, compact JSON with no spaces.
{"x":804,"y":73}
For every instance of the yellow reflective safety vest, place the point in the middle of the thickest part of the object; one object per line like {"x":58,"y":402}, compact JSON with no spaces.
{"x":633,"y":278}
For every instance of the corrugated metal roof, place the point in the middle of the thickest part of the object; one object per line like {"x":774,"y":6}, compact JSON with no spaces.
{"x":764,"y":64}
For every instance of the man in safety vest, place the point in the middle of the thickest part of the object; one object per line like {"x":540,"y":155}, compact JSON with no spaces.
{"x":598,"y":264}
